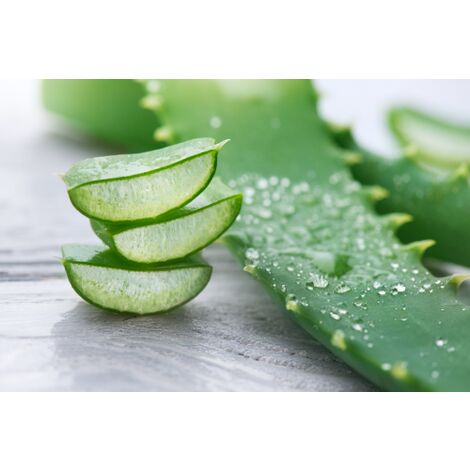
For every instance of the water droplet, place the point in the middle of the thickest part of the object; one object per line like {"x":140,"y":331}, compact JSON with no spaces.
{"x":215,"y":122}
{"x":342,"y":289}
{"x":398,"y":289}
{"x":357,"y":327}
{"x":381,"y":292}
{"x":265,"y":213}
{"x":317,"y":280}
{"x":435,"y":374}
{"x":251,"y":254}
{"x":386,"y":366}
{"x":249,"y":191}
{"x":376,"y":285}
{"x":440,"y":342}
{"x":153,"y":86}
{"x":262,"y":183}
{"x":335,"y":316}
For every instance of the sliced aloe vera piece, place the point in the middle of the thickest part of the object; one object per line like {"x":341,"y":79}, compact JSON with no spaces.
{"x":179,"y":233}
{"x":431,"y":139}
{"x":102,"y":278}
{"x":122,"y":188}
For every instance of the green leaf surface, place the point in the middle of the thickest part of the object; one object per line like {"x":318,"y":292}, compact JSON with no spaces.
{"x":437,"y":200}
{"x":178,"y":233}
{"x":102,"y":278}
{"x":310,"y":234}
{"x":109,"y":110}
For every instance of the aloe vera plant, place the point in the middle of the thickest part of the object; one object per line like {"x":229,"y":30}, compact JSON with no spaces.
{"x":102,"y":278}
{"x":430,"y":139}
{"x":180,"y":232}
{"x":142,"y":186}
{"x":436,"y":199}
{"x":310,"y":234}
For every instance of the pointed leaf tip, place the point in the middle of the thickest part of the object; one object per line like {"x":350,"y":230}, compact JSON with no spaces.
{"x":396,"y":219}
{"x":420,"y":246}
{"x":151,"y":102}
{"x":221,"y":144}
{"x":293,"y":306}
{"x":462,"y":172}
{"x":410,"y":151}
{"x":250,"y":269}
{"x":377,"y":193}
{"x":352,"y":158}
{"x":163,"y":134}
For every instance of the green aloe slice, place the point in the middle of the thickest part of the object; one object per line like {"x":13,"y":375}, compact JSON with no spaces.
{"x":179,"y":233}
{"x":431,"y":139}
{"x":122,"y":188}
{"x":104,"y":279}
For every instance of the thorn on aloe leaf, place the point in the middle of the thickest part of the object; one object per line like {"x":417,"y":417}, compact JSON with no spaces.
{"x":399,"y":370}
{"x":352,"y":158}
{"x":457,"y":279}
{"x":410,"y":151}
{"x":336,"y":128}
{"x":419,"y":247}
{"x":338,"y":340}
{"x":164,"y":134}
{"x":396,"y":219}
{"x":376,"y":193}
{"x":250,"y":269}
{"x":293,"y":306}
{"x":152,"y":102}
{"x":462,"y":172}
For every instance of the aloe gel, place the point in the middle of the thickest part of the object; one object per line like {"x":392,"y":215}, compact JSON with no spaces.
{"x":124,"y":188}
{"x":102,"y":278}
{"x":180,"y":232}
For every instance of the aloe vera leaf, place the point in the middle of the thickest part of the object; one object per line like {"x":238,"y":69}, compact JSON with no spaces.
{"x":142,"y":186}
{"x":386,"y":316}
{"x":116,"y":114}
{"x":431,"y":139}
{"x":179,"y":233}
{"x":102,"y":278}
{"x":438,"y":201}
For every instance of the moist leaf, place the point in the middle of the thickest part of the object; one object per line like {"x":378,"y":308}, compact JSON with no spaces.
{"x":437,"y":200}
{"x":178,"y":233}
{"x":100,"y":277}
{"x":387,"y":316}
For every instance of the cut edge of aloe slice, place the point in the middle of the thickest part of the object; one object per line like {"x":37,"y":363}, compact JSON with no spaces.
{"x":102,"y":279}
{"x":144,"y":196}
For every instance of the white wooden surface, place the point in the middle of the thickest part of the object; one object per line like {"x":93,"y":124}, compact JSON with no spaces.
{"x":232,"y":337}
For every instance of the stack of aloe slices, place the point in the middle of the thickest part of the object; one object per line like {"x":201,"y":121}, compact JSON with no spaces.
{"x":155,"y":211}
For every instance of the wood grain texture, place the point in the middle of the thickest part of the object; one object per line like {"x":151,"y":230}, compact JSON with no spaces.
{"x":233,"y":337}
